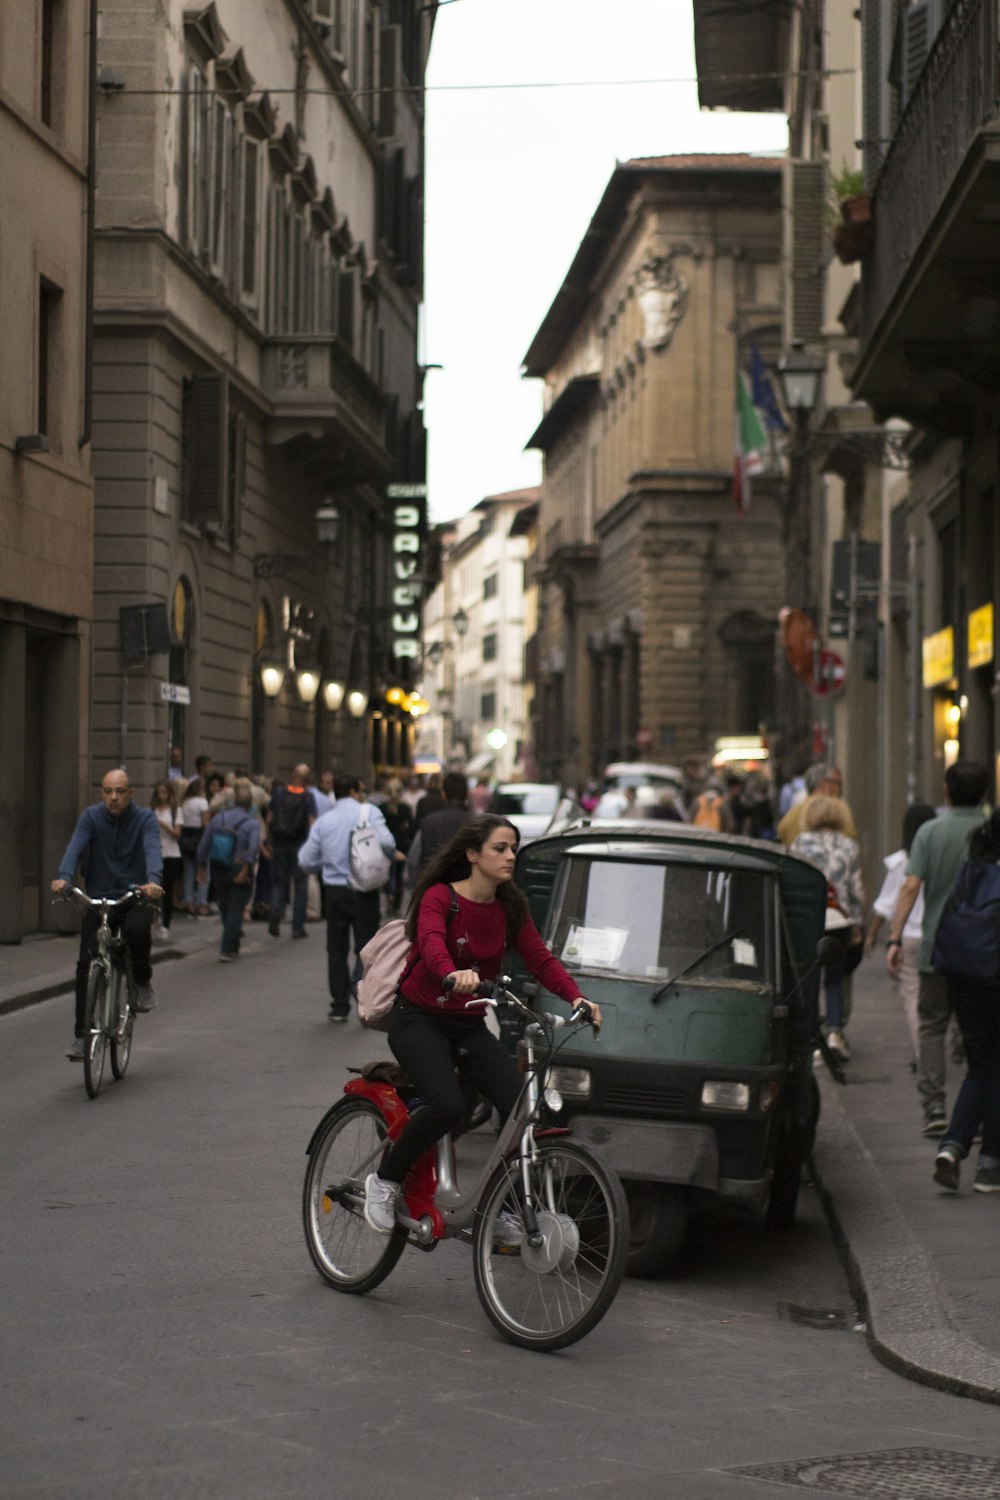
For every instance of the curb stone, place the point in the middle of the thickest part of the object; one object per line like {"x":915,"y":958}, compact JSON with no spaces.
{"x":900,"y":1294}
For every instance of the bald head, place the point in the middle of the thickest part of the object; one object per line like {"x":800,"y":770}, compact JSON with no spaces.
{"x":116,"y":791}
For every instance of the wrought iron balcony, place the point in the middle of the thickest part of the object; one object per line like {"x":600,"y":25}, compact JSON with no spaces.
{"x":923,"y":327}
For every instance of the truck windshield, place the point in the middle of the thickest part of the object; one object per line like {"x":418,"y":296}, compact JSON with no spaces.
{"x":650,"y":921}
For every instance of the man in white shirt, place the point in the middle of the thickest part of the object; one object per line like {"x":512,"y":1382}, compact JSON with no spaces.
{"x":349,"y":912}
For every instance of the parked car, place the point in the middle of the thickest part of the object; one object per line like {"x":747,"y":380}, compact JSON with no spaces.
{"x":530,"y":805}
{"x":614,"y":803}
{"x":702,"y":950}
{"x":622,"y":773}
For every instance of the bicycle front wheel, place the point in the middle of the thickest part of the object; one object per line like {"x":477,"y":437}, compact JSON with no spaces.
{"x":548,"y":1296}
{"x":95,"y":1040}
{"x":346,"y":1252}
{"x":123,"y":1020}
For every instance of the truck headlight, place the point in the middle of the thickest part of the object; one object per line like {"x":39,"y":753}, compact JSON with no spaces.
{"x":573,"y":1082}
{"x":725,"y":1094}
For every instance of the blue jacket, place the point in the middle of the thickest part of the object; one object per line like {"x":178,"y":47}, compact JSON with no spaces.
{"x":114,"y":853}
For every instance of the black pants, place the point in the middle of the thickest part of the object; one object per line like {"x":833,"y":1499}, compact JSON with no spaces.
{"x":135,"y":925}
{"x":173,"y":868}
{"x":425,"y":1044}
{"x":348,"y":913}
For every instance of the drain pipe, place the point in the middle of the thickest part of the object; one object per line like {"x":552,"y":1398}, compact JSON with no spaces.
{"x":88,"y":309}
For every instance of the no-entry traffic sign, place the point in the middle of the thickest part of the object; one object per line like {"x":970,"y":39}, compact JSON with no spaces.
{"x":829,"y":677}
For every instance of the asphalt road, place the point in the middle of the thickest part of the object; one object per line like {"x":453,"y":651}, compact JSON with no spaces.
{"x":165,"y":1334}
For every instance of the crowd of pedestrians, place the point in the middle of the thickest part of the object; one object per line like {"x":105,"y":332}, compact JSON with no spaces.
{"x":246,"y":850}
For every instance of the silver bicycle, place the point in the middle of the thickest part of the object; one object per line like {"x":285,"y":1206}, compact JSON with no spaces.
{"x":546,"y":1290}
{"x":110,"y":1010}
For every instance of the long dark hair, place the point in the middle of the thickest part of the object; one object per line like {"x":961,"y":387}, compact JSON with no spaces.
{"x":452,"y":863}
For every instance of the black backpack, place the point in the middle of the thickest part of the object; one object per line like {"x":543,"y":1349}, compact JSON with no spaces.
{"x":967,"y":941}
{"x":290,"y":816}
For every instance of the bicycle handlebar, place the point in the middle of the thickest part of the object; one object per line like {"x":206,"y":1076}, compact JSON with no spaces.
{"x":109,"y":903}
{"x":497,"y":992}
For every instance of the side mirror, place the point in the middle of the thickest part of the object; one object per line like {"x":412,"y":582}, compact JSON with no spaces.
{"x":829,"y":950}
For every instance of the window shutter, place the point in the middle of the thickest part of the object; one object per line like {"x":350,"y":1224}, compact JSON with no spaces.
{"x":808,"y":257}
{"x":345,"y":306}
{"x":876,"y":100}
{"x":899,"y":551}
{"x":920,"y":25}
{"x":251,"y":214}
{"x":207,"y":457}
{"x":388,"y":78}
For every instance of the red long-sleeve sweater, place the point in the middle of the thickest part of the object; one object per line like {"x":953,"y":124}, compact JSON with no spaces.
{"x":475,"y":938}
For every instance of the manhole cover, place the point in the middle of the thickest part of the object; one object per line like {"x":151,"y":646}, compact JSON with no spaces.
{"x":815,"y":1317}
{"x":897,"y":1474}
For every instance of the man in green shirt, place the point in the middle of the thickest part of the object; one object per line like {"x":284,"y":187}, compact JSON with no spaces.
{"x":936,"y":855}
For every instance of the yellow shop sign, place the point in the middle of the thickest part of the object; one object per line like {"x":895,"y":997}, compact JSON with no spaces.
{"x":939,"y":657}
{"x":981,"y":636}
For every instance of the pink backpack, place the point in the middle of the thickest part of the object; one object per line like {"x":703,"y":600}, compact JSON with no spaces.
{"x":383,"y":964}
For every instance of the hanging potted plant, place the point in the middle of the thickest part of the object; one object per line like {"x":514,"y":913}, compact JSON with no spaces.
{"x":851,"y":221}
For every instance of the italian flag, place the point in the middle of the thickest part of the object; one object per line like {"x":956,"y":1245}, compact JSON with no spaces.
{"x":749,"y":446}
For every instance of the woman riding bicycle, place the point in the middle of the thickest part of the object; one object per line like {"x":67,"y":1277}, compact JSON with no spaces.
{"x":461,"y":937}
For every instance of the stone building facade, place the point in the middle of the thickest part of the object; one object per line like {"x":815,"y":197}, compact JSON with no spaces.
{"x":46,"y":490}
{"x":258,"y":276}
{"x":474,"y":639}
{"x":657,"y":600}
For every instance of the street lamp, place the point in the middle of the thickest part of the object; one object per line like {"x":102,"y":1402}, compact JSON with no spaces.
{"x":272,"y":674}
{"x":307,"y":680}
{"x":357,"y":702}
{"x":280,"y":564}
{"x":800,"y":374}
{"x":460,"y":621}
{"x":333,"y":694}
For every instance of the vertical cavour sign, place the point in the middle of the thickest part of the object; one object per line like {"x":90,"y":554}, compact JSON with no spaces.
{"x":408,"y":501}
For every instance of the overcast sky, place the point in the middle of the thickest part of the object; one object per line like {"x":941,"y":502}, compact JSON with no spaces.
{"x":513,"y":178}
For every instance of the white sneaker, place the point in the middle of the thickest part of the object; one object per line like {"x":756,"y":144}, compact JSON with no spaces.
{"x":836,"y":1043}
{"x":380,"y":1203}
{"x":508,"y":1232}
{"x":163,"y":933}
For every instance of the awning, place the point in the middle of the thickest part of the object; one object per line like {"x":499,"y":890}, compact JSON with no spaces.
{"x":479,"y":762}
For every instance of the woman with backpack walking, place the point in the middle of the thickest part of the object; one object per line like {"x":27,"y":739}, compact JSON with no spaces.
{"x":466,"y":913}
{"x":974,"y":938}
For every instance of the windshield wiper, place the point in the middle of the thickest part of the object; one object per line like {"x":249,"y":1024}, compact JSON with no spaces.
{"x":658,"y":995}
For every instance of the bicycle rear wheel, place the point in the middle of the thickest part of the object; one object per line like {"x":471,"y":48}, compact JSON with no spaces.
{"x":547,"y":1297}
{"x":95,"y":1041}
{"x":346,"y":1252}
{"x":121,"y":1041}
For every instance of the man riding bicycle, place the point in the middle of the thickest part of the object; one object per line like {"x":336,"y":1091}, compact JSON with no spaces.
{"x":117,"y":846}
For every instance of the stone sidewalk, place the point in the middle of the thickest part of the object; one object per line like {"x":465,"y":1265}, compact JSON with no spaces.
{"x":923,"y":1262}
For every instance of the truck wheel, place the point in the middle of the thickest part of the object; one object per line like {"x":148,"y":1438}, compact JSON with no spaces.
{"x":784,"y":1194}
{"x":658,"y":1214}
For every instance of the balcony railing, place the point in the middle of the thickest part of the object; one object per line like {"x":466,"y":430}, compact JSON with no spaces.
{"x":955,"y":95}
{"x":315,"y":384}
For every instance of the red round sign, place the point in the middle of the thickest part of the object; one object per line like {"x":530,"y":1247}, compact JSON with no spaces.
{"x":830,"y":676}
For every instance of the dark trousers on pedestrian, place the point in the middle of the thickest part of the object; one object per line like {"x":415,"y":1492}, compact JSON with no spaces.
{"x":425,"y":1045}
{"x":173,"y":868}
{"x":232,"y":899}
{"x":977,"y":1008}
{"x":287,"y":872}
{"x":135,"y":925}
{"x":349,"y":913}
{"x":933,"y":1013}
